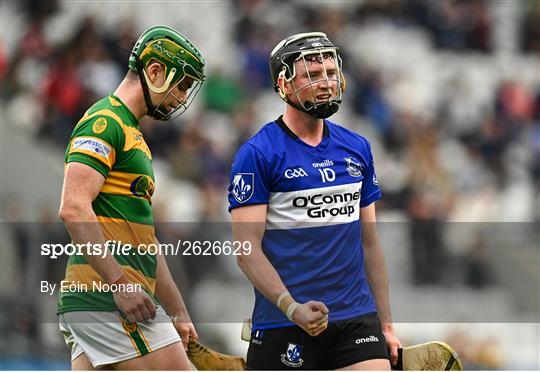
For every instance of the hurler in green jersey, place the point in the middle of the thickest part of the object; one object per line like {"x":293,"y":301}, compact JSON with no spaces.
{"x":125,"y":304}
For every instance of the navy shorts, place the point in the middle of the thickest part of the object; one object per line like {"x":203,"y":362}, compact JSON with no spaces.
{"x":342,"y":344}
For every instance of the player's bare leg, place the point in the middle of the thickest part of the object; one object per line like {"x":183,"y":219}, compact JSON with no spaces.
{"x":369,"y":365}
{"x":81,"y":363}
{"x":171,"y":357}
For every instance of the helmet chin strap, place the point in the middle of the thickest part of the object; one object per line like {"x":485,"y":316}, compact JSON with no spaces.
{"x":320,"y":111}
{"x":152,"y":110}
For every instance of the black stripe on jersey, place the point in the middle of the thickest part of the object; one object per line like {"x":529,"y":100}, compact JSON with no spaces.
{"x":279,"y":121}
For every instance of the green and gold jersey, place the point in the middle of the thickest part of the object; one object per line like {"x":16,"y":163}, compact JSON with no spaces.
{"x":108,"y":139}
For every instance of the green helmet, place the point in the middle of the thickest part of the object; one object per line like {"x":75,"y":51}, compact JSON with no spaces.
{"x":180,"y":59}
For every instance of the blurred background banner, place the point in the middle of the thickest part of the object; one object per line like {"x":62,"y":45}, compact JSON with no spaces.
{"x":447,"y":92}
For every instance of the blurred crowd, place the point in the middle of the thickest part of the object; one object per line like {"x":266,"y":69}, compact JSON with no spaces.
{"x":467,"y":149}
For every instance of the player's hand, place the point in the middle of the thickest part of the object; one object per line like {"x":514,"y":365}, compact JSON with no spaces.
{"x":185,"y":328}
{"x":392,"y":342}
{"x":312,"y":317}
{"x":137,"y":306}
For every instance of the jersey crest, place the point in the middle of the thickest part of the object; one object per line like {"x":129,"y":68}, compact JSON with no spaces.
{"x":354,"y":168}
{"x":243,"y":186}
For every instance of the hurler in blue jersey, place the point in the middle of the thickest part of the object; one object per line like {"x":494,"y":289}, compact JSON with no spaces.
{"x":303,"y":192}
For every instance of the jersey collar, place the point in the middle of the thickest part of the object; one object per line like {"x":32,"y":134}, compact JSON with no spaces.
{"x":132,"y":119}
{"x":279,"y":121}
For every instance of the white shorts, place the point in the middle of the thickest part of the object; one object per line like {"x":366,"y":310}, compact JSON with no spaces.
{"x":106,"y":338}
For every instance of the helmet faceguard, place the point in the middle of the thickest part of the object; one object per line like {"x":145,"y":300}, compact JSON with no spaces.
{"x":309,"y":48}
{"x":182,"y":62}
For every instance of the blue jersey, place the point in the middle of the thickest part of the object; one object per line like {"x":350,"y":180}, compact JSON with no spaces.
{"x":313,"y":197}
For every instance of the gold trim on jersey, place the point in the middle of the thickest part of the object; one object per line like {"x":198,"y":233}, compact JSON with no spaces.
{"x":129,"y":184}
{"x":136,"y":234}
{"x":133,"y":137}
{"x":135,"y":140}
{"x":104,"y":112}
{"x":114,"y":102}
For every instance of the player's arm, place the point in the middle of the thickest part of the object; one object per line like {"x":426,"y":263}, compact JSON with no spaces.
{"x":82,"y":184}
{"x":249,"y":226}
{"x":378,"y":276}
{"x":169,"y":295}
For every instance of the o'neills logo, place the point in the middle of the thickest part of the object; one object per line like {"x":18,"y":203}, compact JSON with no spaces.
{"x":324,"y":164}
{"x":367,"y":339}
